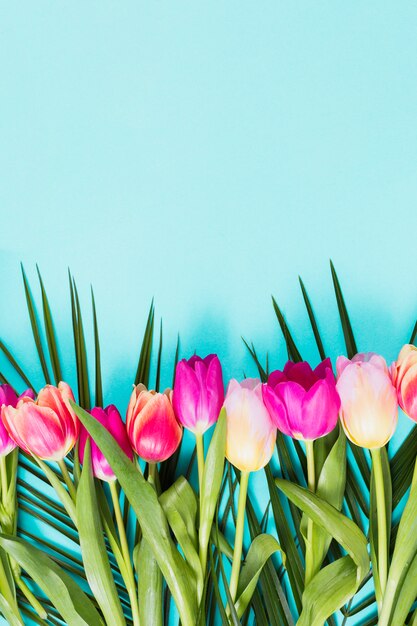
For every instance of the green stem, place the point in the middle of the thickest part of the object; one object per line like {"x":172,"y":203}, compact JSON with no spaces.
{"x":311,"y":481}
{"x":67,"y":479}
{"x":7,"y":592}
{"x":130,"y":583}
{"x":4,"y":481}
{"x":240,"y":521}
{"x":152,"y":471}
{"x":200,"y":459}
{"x":37,"y":606}
{"x":382,"y":519}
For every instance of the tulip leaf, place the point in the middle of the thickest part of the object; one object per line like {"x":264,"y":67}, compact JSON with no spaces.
{"x":93,"y":548}
{"x":60,"y":490}
{"x":179,"y":503}
{"x":404,"y":554}
{"x":211,"y":482}
{"x":348,"y":535}
{"x":150,"y":588}
{"x":64,"y":593}
{"x":407,"y":596}
{"x":150,"y":515}
{"x":328,"y":590}
{"x":331,"y":488}
{"x":262,"y":547}
{"x":10,"y":613}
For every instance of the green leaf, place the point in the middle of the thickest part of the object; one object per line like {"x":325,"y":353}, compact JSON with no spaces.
{"x":50,"y":333}
{"x":211,"y":483}
{"x":98,"y":397}
{"x":10,"y":613}
{"x":262,"y":547}
{"x":150,"y":515}
{"x":15,"y":365}
{"x":93,"y":548}
{"x":60,"y":490}
{"x":149,"y":586}
{"x":64,"y":593}
{"x":407,"y":596}
{"x":350,"y":342}
{"x":35,"y":326}
{"x":313,"y":321}
{"x":331,"y":488}
{"x":158,"y":363}
{"x":293,"y":353}
{"x":179,"y":503}
{"x":404,"y":553}
{"x":144,"y":364}
{"x":328,"y":591}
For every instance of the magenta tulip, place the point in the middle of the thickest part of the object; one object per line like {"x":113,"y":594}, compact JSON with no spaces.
{"x":198,"y":392}
{"x":303,"y":403}
{"x":152,"y":427}
{"x":8,"y":397}
{"x":111,"y":419}
{"x":47,"y":427}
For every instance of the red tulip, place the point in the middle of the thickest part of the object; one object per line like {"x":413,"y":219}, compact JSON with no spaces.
{"x":8,"y":397}
{"x":47,"y":427}
{"x":152,"y":427}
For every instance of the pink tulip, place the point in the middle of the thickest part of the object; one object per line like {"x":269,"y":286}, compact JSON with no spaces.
{"x":8,"y":397}
{"x":404,"y":378}
{"x":47,"y":427}
{"x":303,"y":403}
{"x":198,"y":392}
{"x":111,"y":419}
{"x":369,"y":410}
{"x":251,"y":435}
{"x":152,"y":427}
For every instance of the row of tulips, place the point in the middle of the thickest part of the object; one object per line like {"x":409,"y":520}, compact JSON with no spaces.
{"x":300,"y":402}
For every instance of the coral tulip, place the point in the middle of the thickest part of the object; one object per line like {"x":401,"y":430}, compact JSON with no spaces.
{"x":404,"y":378}
{"x":152,"y":427}
{"x":111,"y":419}
{"x":198,"y":392}
{"x":8,"y":397}
{"x":251,"y":433}
{"x":303,"y":403}
{"x":47,"y":427}
{"x":369,"y":410}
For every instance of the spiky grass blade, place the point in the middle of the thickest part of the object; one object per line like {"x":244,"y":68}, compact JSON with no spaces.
{"x":35,"y":326}
{"x":50,"y":333}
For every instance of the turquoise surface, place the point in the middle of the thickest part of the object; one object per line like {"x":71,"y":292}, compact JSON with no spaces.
{"x":206,"y":154}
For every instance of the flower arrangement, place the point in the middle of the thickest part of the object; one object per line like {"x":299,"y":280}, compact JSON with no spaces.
{"x":140,"y":540}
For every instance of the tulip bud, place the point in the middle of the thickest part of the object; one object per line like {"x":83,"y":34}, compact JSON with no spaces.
{"x":111,"y":419}
{"x":404,"y":378}
{"x":369,"y":410}
{"x":47,"y":427}
{"x":303,"y":403}
{"x":198,"y":392}
{"x":251,"y":435}
{"x":152,"y":427}
{"x":9,"y":398}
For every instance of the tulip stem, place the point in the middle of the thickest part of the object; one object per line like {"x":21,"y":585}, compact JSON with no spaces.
{"x":33,"y":601}
{"x":382,"y":519}
{"x":240,"y":522}
{"x":200,"y":459}
{"x":67,"y":479}
{"x":4,"y":481}
{"x":130,"y":583}
{"x":311,"y":482}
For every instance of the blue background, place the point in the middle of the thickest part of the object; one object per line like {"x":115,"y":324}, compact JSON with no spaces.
{"x":206,"y":153}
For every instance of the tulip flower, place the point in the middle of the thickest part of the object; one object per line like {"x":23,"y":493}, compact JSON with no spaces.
{"x":250,"y":442}
{"x":369,"y":414}
{"x":8,"y":397}
{"x":369,"y":409}
{"x":47,"y":427}
{"x":111,"y":419}
{"x":251,"y":433}
{"x":303,"y":403}
{"x":198,"y":392}
{"x":198,"y":397}
{"x":404,"y":378}
{"x":152,"y":427}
